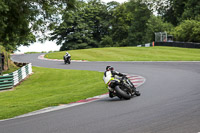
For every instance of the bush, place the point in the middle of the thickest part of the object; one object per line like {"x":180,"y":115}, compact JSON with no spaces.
{"x":187,"y":31}
{"x":106,"y":42}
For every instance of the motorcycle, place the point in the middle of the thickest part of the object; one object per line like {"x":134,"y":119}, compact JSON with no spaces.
{"x":122,"y":88}
{"x":67,"y":59}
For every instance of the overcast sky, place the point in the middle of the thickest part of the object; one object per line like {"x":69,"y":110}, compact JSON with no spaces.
{"x":48,"y":45}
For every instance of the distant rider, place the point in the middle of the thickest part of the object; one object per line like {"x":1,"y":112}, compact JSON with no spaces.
{"x":111,"y":75}
{"x":67,"y":55}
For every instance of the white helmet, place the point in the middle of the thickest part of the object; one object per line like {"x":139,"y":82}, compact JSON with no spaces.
{"x":66,"y":52}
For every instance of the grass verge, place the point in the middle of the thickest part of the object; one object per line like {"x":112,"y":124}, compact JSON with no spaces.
{"x":50,"y":87}
{"x":158,"y":53}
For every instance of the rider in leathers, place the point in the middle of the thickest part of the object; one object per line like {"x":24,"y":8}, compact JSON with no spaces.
{"x":111,"y":75}
{"x":67,"y":55}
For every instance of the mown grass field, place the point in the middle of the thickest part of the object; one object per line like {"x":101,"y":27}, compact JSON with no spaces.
{"x":50,"y":87}
{"x":158,"y":53}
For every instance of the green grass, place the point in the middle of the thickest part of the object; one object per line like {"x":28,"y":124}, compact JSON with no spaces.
{"x":158,"y":53}
{"x":50,"y":87}
{"x":34,"y":52}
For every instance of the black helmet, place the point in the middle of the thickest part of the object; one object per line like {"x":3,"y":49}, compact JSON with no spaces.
{"x":109,"y":68}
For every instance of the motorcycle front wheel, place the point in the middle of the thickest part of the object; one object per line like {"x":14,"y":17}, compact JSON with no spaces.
{"x":122,"y":94}
{"x":69,"y":61}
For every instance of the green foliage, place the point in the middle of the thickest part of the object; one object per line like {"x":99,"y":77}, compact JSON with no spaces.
{"x":21,"y":20}
{"x":129,"y":23}
{"x":188,"y":31}
{"x":156,"y":24}
{"x":95,"y":24}
{"x":140,"y":15}
{"x":80,"y":24}
{"x":191,"y":10}
{"x":175,"y":11}
{"x":83,"y":27}
{"x":106,"y":42}
{"x":9,"y":66}
{"x":120,"y":22}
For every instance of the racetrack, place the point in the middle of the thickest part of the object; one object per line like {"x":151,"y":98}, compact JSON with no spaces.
{"x":170,"y":102}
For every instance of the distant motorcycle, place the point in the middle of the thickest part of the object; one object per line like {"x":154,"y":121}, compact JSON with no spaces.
{"x":67,"y":59}
{"x":122,"y":88}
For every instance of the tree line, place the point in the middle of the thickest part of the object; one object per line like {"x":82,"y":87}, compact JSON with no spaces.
{"x":80,"y":24}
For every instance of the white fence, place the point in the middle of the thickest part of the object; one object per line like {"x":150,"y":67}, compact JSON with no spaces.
{"x":22,"y":73}
{"x":7,"y":81}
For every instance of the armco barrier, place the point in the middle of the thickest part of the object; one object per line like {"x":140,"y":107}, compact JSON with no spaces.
{"x":8,"y":81}
{"x":179,"y":44}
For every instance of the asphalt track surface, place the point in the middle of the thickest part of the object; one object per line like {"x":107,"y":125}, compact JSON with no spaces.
{"x":170,"y":102}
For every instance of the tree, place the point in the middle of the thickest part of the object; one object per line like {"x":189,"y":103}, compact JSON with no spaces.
{"x":129,"y":23}
{"x":175,"y":11}
{"x":188,"y":31}
{"x":106,"y":41}
{"x":22,"y":20}
{"x":191,"y":10}
{"x":156,"y":24}
{"x":83,"y":27}
{"x":140,"y":15}
{"x":120,"y":24}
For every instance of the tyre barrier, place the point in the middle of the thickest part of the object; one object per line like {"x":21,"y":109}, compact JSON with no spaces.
{"x":8,"y":81}
{"x":20,"y":64}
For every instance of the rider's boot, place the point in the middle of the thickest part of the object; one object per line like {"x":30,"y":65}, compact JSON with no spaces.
{"x":111,"y":94}
{"x":137,"y":93}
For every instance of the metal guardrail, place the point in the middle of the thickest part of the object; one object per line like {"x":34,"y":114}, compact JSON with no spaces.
{"x":179,"y":44}
{"x":8,"y":81}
